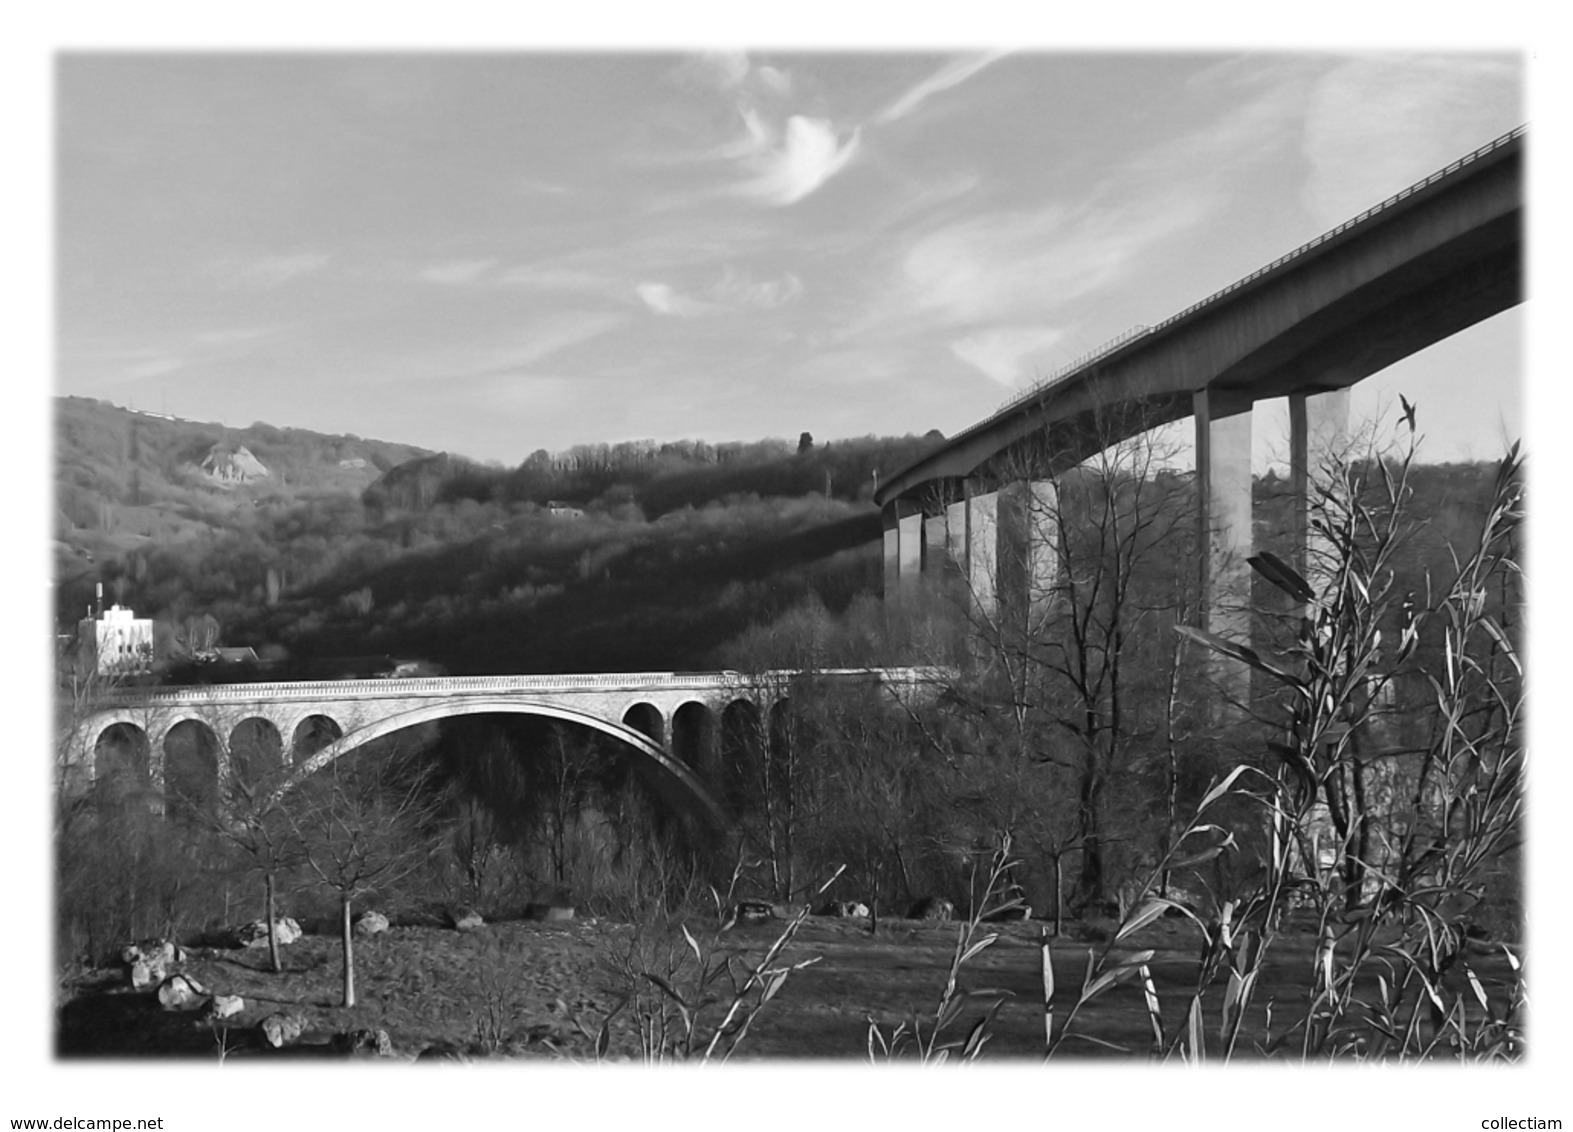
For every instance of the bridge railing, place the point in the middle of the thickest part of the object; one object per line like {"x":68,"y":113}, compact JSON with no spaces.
{"x":1404,"y":194}
{"x":587,"y":682}
{"x":1086,"y":360}
{"x":1073,"y":366}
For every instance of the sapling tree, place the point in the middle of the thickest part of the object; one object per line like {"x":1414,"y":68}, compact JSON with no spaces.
{"x":365,"y":823}
{"x":248,"y":811}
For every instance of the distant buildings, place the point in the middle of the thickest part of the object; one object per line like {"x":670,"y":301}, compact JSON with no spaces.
{"x":118,"y":643}
{"x":560,"y":510}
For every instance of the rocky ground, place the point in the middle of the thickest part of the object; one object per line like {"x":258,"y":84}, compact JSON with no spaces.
{"x":536,"y":989}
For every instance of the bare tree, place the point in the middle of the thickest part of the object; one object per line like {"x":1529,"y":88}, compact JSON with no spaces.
{"x":365,"y":823}
{"x":1073,"y":661}
{"x":249,"y":813}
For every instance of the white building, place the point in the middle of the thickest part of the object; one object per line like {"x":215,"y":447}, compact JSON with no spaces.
{"x":118,"y":643}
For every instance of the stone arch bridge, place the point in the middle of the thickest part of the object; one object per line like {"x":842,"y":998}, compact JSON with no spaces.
{"x":673,"y":719}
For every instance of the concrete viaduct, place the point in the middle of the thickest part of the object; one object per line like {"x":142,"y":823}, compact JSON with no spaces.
{"x":1436,"y":258}
{"x":675,"y":720}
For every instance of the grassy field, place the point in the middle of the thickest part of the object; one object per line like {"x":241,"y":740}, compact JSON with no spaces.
{"x":535,"y":989}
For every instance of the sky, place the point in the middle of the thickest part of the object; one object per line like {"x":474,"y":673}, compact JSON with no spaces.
{"x":497,"y":253}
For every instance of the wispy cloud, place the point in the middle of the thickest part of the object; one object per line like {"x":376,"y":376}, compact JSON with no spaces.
{"x":1002,"y":351}
{"x":1001,"y":266}
{"x":114,"y":368}
{"x":1377,"y":123}
{"x":454,"y":273}
{"x":114,"y":365}
{"x":269,"y":271}
{"x":578,"y":275}
{"x":725,"y":69}
{"x":784,"y":156}
{"x":788,"y":164}
{"x":951,"y":74}
{"x":735,"y":290}
{"x":663,"y":299}
{"x":739,"y":288}
{"x":527,"y":347}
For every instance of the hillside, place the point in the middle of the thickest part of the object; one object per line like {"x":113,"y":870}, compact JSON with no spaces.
{"x":602,"y":557}
{"x":120,"y":474}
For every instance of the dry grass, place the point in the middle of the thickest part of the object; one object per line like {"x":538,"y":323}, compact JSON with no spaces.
{"x":514,"y":989}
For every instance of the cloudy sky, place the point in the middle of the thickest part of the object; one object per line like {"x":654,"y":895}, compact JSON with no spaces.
{"x":492,"y":254}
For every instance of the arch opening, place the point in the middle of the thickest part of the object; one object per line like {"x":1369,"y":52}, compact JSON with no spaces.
{"x":192,"y":756}
{"x":256,"y":751}
{"x":742,"y":750}
{"x":677,"y":781}
{"x":647,"y":720}
{"x":122,"y":753}
{"x":693,"y":736}
{"x":314,"y":734}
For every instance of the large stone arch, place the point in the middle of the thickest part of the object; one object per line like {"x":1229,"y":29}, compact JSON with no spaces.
{"x":694,"y":735}
{"x":193,"y":762}
{"x":426,"y":713}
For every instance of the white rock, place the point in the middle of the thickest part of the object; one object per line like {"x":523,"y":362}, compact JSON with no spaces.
{"x":370,"y":923}
{"x":180,"y":992}
{"x":226,"y":1005}
{"x":255,"y":934}
{"x":279,"y":1030}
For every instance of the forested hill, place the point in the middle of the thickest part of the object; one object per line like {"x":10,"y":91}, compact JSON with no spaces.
{"x":122,"y":475}
{"x":602,"y":557}
{"x":657,"y":477}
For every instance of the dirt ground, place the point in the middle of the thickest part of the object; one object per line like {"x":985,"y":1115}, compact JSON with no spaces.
{"x":523,"y":989}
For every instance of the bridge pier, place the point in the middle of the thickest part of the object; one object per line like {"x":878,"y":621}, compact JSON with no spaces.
{"x":1318,"y":430}
{"x":910,"y":530}
{"x":1224,"y":538}
{"x":904,"y":549}
{"x":1002,"y":544}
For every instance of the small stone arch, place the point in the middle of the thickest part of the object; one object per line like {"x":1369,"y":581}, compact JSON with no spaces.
{"x":312,"y":734}
{"x":693,"y":735}
{"x":781,"y":728}
{"x":646,"y":719}
{"x":193,"y":761}
{"x":742,"y":749}
{"x":121,"y":749}
{"x":256,"y":749}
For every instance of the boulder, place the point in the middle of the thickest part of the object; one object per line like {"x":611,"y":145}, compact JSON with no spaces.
{"x":466,"y":919}
{"x":933,"y":908}
{"x":753,"y":911}
{"x":370,"y":923}
{"x":225,"y":1006}
{"x":164,"y":950}
{"x":255,"y":934}
{"x":362,"y":1043}
{"x":151,"y":962}
{"x":282,"y":1029}
{"x":180,"y":992}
